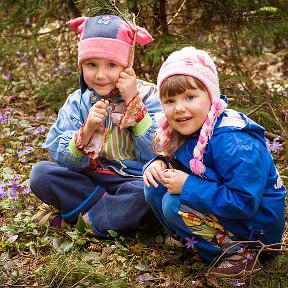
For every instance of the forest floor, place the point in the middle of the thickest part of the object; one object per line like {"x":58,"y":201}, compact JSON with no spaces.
{"x":32,"y":256}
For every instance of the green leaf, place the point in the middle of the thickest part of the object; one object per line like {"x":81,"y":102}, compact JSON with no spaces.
{"x":81,"y":225}
{"x":112,"y":233}
{"x":61,"y":245}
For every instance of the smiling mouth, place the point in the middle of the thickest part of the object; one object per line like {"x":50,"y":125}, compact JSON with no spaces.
{"x":101,"y":85}
{"x":183,"y":119}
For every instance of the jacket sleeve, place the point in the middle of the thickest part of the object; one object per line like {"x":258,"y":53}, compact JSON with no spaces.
{"x":235,"y":187}
{"x":60,"y":143}
{"x":143,"y":132}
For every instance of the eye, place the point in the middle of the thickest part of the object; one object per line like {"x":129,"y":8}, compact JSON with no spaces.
{"x":190,"y":97}
{"x":168,"y":101}
{"x":112,"y":65}
{"x":90,"y":64}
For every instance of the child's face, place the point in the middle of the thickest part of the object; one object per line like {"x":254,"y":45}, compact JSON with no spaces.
{"x":101,"y":75}
{"x":186,"y":112}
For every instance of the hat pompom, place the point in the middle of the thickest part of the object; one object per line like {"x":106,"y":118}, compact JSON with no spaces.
{"x":77,"y":24}
{"x":143,"y":36}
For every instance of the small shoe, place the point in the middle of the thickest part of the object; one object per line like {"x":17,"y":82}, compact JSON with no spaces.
{"x":236,"y":266}
{"x":45,"y":217}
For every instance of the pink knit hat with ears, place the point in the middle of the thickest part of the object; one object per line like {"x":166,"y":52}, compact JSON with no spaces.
{"x":198,"y":64}
{"x":107,"y":37}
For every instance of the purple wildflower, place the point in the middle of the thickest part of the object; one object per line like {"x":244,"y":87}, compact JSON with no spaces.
{"x":9,"y":109}
{"x":26,"y":190}
{"x":39,"y":130}
{"x":57,"y":69}
{"x":16,"y":177}
{"x":27,"y":22}
{"x":237,"y":283}
{"x":7,"y":76}
{"x":26,"y":151}
{"x":141,"y":278}
{"x":67,"y":70}
{"x":190,"y":242}
{"x":31,"y":208}
{"x":5,"y":221}
{"x":145,"y":277}
{"x":3,"y":118}
{"x":11,"y":237}
{"x":2,"y":191}
{"x":13,"y":193}
{"x":275,"y":145}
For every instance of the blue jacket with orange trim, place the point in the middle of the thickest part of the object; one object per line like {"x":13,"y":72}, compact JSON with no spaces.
{"x":60,"y":143}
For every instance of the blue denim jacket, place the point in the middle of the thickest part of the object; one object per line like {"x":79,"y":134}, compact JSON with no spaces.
{"x":72,"y":115}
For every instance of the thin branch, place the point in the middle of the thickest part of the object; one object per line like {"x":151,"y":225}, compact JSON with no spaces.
{"x":277,"y":120}
{"x":256,"y":109}
{"x":176,"y":14}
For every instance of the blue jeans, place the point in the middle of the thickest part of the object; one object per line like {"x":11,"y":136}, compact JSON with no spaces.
{"x":166,"y":207}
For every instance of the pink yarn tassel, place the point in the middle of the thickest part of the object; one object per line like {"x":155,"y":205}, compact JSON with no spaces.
{"x":197,"y":167}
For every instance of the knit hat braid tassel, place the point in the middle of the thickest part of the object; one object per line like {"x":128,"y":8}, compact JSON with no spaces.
{"x":206,"y":132}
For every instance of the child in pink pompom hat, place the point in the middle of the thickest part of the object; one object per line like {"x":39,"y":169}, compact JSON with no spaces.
{"x":102,"y":136}
{"x":214,"y":181}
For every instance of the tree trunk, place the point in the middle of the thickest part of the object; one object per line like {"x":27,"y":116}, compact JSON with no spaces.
{"x":163,"y":17}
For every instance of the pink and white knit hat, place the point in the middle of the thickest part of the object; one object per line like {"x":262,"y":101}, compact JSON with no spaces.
{"x":107,"y":37}
{"x":198,"y":64}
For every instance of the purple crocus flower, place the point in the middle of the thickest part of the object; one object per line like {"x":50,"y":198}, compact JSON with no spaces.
{"x":13,"y":193}
{"x":2,"y":191}
{"x":275,"y":146}
{"x":238,"y":284}
{"x":16,"y":177}
{"x":26,"y":151}
{"x":26,"y":190}
{"x":190,"y":242}
{"x":31,"y":208}
{"x":3,"y":118}
{"x":39,"y":130}
{"x":67,"y":70}
{"x":11,"y":237}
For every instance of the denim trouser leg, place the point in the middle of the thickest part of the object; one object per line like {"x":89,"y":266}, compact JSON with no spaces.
{"x":166,"y":207}
{"x":153,"y":197}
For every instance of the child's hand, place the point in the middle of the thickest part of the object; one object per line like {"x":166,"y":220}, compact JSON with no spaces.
{"x":97,"y":114}
{"x":127,"y":84}
{"x":154,"y":170}
{"x":174,"y":180}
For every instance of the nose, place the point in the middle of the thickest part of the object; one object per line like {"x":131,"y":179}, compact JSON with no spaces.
{"x":179,"y":107}
{"x":100,"y":74}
